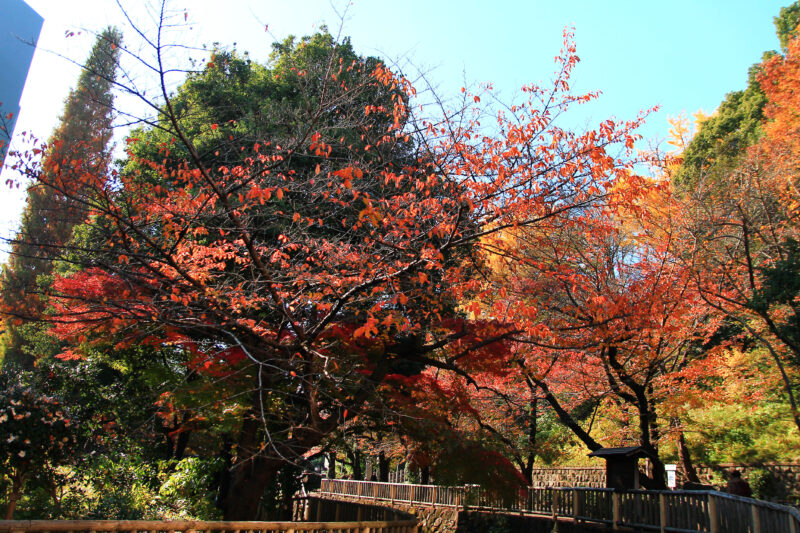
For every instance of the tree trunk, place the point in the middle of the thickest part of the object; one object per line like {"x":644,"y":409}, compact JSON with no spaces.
{"x":16,"y":494}
{"x":355,"y":461}
{"x":658,"y":481}
{"x":12,"y":504}
{"x":527,"y":470}
{"x":248,"y":481}
{"x":368,"y":468}
{"x":180,"y":444}
{"x":686,"y":460}
{"x":425,"y":475}
{"x":383,"y":467}
{"x":251,"y":472}
{"x":332,"y":465}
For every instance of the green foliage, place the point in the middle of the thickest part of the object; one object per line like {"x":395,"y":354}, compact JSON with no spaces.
{"x":733,"y":434}
{"x":189,"y":487}
{"x":127,"y":487}
{"x":235,"y":103}
{"x":780,"y":285}
{"x":37,"y":435}
{"x":722,"y":138}
{"x":78,"y":145}
{"x":764,"y":484}
{"x":786,"y":23}
{"x":35,"y":430}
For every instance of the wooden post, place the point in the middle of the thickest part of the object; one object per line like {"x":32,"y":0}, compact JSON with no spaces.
{"x":555,"y":510}
{"x":411,"y":491}
{"x":616,"y":509}
{"x":662,"y":508}
{"x":392,"y":492}
{"x":360,"y":489}
{"x":757,"y":519}
{"x":713,"y":514}
{"x":435,"y":495}
{"x":576,"y":504}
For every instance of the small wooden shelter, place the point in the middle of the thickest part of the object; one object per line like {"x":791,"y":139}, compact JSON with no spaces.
{"x":622,"y":466}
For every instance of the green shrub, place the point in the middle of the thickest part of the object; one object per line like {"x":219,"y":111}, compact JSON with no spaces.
{"x":764,"y":484}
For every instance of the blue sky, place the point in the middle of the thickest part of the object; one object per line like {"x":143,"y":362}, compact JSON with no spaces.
{"x":683,"y":55}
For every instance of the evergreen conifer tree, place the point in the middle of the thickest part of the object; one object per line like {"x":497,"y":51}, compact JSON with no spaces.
{"x":78,"y":145}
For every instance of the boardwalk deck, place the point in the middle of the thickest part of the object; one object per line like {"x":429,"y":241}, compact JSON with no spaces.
{"x":662,"y":511}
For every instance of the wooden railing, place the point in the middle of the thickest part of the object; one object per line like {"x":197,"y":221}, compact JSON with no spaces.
{"x":139,"y":526}
{"x":663,"y":511}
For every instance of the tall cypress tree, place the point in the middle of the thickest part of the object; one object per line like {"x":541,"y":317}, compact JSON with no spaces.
{"x":77,"y":146}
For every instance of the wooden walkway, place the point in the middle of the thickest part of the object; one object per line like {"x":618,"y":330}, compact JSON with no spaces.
{"x":662,"y":511}
{"x":146,"y":526}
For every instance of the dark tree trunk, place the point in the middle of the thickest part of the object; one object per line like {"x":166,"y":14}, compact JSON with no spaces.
{"x":332,"y":465}
{"x":527,"y":469}
{"x":686,"y":460}
{"x":180,"y":444}
{"x":355,"y":461}
{"x":248,"y":476}
{"x":383,"y":467}
{"x":248,"y":481}
{"x":176,"y":439}
{"x":658,"y":479}
{"x":251,"y":472}
{"x":425,"y":475}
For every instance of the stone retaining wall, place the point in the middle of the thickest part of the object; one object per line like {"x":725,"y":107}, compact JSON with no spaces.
{"x":592,"y":477}
{"x":432,"y":519}
{"x":786,"y":475}
{"x":481,"y":522}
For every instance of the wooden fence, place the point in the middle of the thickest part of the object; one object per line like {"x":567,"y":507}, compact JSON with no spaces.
{"x":146,"y":526}
{"x":663,"y":511}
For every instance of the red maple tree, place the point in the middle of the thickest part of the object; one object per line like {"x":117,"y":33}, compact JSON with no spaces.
{"x":304,"y":277}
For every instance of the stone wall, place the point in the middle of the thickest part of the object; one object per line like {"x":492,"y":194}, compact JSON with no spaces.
{"x":331,"y":509}
{"x":481,"y":522}
{"x":592,"y":477}
{"x":432,"y":519}
{"x":786,"y":475}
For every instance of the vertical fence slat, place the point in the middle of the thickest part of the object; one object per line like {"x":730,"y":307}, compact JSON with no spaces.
{"x":616,"y":510}
{"x":713,"y":514}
